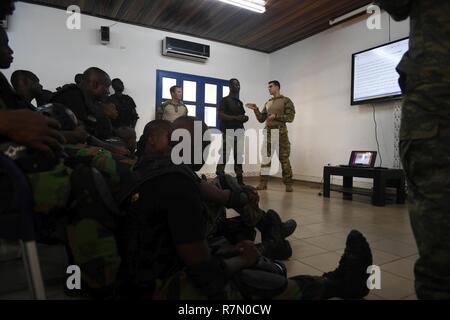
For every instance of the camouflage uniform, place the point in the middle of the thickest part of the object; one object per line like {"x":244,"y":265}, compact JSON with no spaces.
{"x":88,"y":234}
{"x":249,"y":214}
{"x":171,"y":111}
{"x":284,"y":110}
{"x":51,"y":189}
{"x":232,"y":141}
{"x":424,"y":138}
{"x":181,"y":287}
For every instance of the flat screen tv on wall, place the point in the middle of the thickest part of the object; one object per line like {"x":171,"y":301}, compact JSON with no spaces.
{"x":374,"y":75}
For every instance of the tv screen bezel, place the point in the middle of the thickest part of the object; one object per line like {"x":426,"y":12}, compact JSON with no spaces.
{"x":372,"y":100}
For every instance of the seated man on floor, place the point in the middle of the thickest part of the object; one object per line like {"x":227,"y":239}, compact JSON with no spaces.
{"x":27,"y":85}
{"x":166,"y":254}
{"x":70,"y":196}
{"x":83,"y":101}
{"x":224,"y":192}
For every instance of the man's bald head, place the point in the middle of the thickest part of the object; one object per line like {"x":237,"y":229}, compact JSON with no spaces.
{"x":96,"y":82}
{"x":95,"y":73}
{"x":155,"y":138}
{"x":26,"y":84}
{"x":21,"y":75}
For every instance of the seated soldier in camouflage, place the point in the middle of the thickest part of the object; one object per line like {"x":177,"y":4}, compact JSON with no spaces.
{"x":71,"y":198}
{"x":166,"y":254}
{"x":83,"y":101}
{"x":226,"y":192}
{"x":73,"y":205}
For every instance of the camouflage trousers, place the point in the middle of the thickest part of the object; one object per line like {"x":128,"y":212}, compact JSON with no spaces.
{"x":51,"y":189}
{"x":180,"y":287}
{"x":92,"y":244}
{"x":284,"y":151}
{"x":425,"y":152}
{"x":237,"y":144}
{"x":249,"y":215}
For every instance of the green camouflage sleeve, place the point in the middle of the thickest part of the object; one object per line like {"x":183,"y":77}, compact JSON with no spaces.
{"x":261,"y":115}
{"x":398,"y":9}
{"x":289,"y":112}
{"x":159,"y":113}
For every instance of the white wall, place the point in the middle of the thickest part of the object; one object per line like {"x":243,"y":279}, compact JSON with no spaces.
{"x":316,"y":75}
{"x":44,"y":45}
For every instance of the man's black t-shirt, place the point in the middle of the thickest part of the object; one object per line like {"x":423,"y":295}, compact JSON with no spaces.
{"x":126,"y":109}
{"x":45,"y":97}
{"x":73,"y":98}
{"x":87,"y":112}
{"x":231,"y":106}
{"x":167,"y":213}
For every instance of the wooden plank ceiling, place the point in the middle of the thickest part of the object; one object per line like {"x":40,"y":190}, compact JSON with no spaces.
{"x":285,"y":21}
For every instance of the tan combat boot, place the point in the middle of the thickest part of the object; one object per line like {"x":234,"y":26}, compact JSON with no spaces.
{"x":262,"y":183}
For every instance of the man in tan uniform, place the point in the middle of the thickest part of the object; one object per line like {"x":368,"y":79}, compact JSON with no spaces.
{"x":172,"y":109}
{"x":276,"y":113}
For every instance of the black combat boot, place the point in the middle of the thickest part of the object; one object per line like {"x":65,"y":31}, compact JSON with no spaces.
{"x":273,"y":234}
{"x":272,"y":228}
{"x":349,"y":280}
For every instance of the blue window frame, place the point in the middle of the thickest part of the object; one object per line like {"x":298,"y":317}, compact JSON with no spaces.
{"x":202,"y":101}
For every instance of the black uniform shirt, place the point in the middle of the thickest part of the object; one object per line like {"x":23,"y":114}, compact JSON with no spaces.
{"x":231,"y":106}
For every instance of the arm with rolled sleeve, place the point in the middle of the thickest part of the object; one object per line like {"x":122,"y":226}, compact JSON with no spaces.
{"x":159,"y":113}
{"x":289,"y":112}
{"x":261,"y":116}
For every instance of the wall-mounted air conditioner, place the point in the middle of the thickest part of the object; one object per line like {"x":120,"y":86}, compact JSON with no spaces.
{"x":185,"y":49}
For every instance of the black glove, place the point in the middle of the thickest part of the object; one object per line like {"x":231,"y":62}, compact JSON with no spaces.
{"x":238,"y":197}
{"x":237,"y":200}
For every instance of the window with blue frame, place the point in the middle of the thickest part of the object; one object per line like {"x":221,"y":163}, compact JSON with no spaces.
{"x":201,"y":95}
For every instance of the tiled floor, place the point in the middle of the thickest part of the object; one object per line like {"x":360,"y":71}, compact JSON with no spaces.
{"x":319,"y":241}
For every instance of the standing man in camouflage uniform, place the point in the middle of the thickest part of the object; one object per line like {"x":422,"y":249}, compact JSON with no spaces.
{"x":276,"y":112}
{"x":172,"y":109}
{"x":424,"y":137}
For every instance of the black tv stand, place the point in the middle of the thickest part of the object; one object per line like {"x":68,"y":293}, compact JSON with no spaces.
{"x":382,"y":178}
